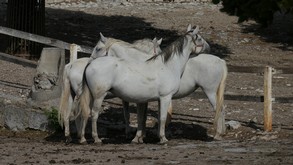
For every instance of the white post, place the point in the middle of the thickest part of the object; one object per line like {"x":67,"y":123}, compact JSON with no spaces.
{"x":268,"y":98}
{"x":73,"y":52}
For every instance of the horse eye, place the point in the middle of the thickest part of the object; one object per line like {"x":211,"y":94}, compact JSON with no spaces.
{"x":98,"y":49}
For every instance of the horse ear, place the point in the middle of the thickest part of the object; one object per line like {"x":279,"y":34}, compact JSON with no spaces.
{"x":188,"y":28}
{"x":155,"y":40}
{"x":103,"y":39}
{"x":196,"y":30}
{"x":159,"y":41}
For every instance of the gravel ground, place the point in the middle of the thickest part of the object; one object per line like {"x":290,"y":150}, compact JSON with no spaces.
{"x":189,"y":133}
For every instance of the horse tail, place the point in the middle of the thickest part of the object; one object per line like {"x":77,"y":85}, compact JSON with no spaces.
{"x":219,"y":121}
{"x":65,"y":96}
{"x":84,"y":102}
{"x":83,"y":97}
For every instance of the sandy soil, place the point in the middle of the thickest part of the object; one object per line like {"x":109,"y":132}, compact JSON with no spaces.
{"x":189,"y":134}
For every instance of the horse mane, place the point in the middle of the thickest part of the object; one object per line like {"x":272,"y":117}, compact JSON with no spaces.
{"x":142,"y":41}
{"x":166,"y":54}
{"x":111,"y":41}
{"x":144,"y":44}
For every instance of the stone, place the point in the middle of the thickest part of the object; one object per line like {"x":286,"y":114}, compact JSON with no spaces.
{"x":47,"y":82}
{"x":233,"y":124}
{"x":19,"y":119}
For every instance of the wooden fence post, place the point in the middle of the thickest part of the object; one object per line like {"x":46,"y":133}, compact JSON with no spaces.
{"x":268,"y":98}
{"x":73,"y":52}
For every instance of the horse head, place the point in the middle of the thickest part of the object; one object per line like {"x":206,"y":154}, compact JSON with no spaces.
{"x":101,"y":49}
{"x":157,"y":43}
{"x":200,"y":43}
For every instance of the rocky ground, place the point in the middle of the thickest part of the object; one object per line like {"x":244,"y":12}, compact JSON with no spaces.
{"x":190,"y":131}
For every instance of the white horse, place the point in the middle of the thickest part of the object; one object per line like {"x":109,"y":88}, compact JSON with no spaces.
{"x":205,"y":71}
{"x":134,"y":81}
{"x":208,"y":72}
{"x":73,"y":74}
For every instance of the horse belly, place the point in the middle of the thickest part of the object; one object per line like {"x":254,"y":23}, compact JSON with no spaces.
{"x":187,"y":83}
{"x":184,"y":90}
{"x":136,"y":88}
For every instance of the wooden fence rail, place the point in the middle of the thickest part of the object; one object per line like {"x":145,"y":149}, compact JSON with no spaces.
{"x":42,"y":39}
{"x":258,"y":69}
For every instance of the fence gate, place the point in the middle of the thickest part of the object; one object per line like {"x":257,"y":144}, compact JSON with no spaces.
{"x":28,"y":16}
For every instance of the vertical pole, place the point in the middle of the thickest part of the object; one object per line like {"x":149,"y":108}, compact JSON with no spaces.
{"x":73,"y":52}
{"x":268,"y":98}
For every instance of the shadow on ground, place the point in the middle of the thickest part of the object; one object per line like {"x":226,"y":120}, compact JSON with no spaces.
{"x":111,"y":128}
{"x":280,"y":31}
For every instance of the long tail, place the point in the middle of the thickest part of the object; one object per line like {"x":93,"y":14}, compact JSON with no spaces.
{"x":84,"y":103}
{"x":82,"y":98}
{"x":65,"y":96}
{"x":219,"y":121}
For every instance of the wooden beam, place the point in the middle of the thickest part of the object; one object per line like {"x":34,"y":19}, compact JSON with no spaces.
{"x":18,"y":60}
{"x":245,"y":69}
{"x":248,"y":98}
{"x":73,"y":52}
{"x":42,"y":39}
{"x":258,"y":69}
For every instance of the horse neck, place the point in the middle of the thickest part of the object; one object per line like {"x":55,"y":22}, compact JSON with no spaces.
{"x":128,"y":53}
{"x":179,"y":59}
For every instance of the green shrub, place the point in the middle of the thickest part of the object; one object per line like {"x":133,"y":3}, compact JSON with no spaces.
{"x":53,"y":119}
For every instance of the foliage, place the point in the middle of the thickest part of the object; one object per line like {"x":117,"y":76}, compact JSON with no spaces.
{"x":262,"y":11}
{"x":53,"y":119}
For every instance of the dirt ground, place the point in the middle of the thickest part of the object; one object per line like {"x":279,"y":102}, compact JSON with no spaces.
{"x":190,"y":133}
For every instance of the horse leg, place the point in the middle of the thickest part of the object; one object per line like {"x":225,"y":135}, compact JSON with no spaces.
{"x":67,"y":114}
{"x":145,"y":110}
{"x":169,"y":116}
{"x":84,"y":108}
{"x":78,"y":121}
{"x":68,"y":138}
{"x":83,"y":122}
{"x":221,"y":127}
{"x":65,"y":105}
{"x":126,"y":118}
{"x":164,"y":105}
{"x":213,"y":97}
{"x":97,"y":108}
{"x":141,"y":119}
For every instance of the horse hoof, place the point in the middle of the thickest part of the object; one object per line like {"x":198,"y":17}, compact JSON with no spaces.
{"x":137,"y":140}
{"x":82,"y":141}
{"x":68,"y":140}
{"x":97,"y":141}
{"x":218,"y":137}
{"x":163,"y":141}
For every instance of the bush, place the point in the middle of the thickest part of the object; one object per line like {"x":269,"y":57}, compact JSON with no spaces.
{"x":262,"y":11}
{"x":53,"y":119}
